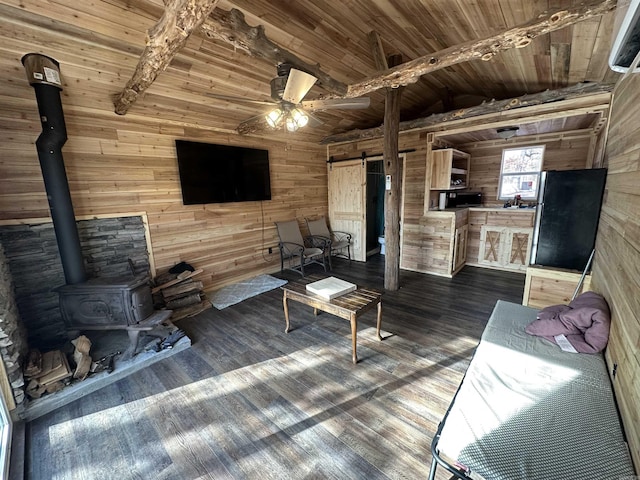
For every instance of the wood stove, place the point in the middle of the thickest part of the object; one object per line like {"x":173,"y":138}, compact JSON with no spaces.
{"x":110,"y":303}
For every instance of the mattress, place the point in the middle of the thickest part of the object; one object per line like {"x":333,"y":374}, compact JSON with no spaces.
{"x":528,"y":410}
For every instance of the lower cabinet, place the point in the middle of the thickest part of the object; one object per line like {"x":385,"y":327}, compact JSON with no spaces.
{"x":460,"y":247}
{"x":505,"y":247}
{"x":546,"y":286}
{"x":439,"y":246}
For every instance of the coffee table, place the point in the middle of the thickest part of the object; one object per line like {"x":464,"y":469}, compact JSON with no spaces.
{"x":348,"y":306}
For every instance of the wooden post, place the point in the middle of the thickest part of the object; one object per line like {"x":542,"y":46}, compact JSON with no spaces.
{"x":392,"y":195}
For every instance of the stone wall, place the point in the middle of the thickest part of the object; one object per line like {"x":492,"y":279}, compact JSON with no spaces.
{"x":110,"y":247}
{"x":13,"y":337}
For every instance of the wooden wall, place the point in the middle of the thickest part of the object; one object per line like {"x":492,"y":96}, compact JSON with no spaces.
{"x":616,"y":272}
{"x":563,"y":151}
{"x":121,"y":164}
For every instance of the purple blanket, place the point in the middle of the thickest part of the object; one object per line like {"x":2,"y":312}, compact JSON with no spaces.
{"x":584,"y":322}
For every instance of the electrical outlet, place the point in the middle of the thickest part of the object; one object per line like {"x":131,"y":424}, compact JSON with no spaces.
{"x":270,"y":250}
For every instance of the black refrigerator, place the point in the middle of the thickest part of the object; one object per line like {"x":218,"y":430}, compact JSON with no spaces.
{"x":567,"y":217}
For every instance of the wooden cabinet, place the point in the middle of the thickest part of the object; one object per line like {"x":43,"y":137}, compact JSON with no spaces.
{"x":518,"y":248}
{"x":505,"y":247}
{"x":449,"y":169}
{"x":546,"y":286}
{"x":500,"y":238}
{"x":491,"y":245}
{"x":442,"y":242}
{"x":460,"y":247}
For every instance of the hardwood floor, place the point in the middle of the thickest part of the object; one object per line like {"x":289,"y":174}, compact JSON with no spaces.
{"x":248,"y":401}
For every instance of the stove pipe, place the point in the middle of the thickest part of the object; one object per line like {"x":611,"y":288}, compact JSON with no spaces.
{"x":43,"y":74}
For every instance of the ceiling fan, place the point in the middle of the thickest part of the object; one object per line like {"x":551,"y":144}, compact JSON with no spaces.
{"x":287,"y":107}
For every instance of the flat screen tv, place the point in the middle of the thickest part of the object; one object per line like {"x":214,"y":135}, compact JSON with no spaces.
{"x":222,"y":173}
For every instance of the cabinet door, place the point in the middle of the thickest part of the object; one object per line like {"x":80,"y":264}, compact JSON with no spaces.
{"x":492,"y":245}
{"x":460,"y":247}
{"x":441,"y":169}
{"x":517,"y":248}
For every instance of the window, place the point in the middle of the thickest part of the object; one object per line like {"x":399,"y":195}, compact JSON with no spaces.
{"x":5,"y":436}
{"x":520,"y":172}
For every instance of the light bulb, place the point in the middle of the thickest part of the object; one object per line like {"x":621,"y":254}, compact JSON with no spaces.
{"x":274,"y":117}
{"x":291,"y":124}
{"x":299,"y":117}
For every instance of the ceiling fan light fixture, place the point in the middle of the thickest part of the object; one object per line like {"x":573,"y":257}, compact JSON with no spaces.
{"x":291,"y":125}
{"x":295,"y":119}
{"x":507,"y":132}
{"x":299,"y":117}
{"x":274,"y":117}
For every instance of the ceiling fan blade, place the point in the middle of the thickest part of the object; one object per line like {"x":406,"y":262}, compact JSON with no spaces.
{"x":298,"y":85}
{"x":313,"y":120}
{"x":230,"y":98}
{"x":335,"y":103}
{"x":253,"y":125}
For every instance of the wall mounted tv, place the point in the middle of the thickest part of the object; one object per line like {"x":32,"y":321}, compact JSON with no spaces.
{"x":222,"y":173}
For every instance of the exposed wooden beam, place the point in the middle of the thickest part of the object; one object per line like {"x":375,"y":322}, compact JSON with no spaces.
{"x":484,"y":49}
{"x":166,"y":38}
{"x":231,"y":27}
{"x":375,"y":42}
{"x":495,"y":106}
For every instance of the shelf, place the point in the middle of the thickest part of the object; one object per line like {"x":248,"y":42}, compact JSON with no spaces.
{"x":448,"y":166}
{"x":451,"y":187}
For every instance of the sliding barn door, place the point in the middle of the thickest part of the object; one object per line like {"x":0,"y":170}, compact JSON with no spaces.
{"x":347,"y":203}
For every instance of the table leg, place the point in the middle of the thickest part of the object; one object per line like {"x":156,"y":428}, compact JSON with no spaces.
{"x":379,"y":320}
{"x":354,"y":336}
{"x":286,"y":312}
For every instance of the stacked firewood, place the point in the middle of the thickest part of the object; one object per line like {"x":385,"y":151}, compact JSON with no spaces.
{"x":50,"y":371}
{"x":181,"y":293}
{"x":46,"y":372}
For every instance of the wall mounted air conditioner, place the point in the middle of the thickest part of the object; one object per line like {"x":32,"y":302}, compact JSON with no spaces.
{"x":626,"y":34}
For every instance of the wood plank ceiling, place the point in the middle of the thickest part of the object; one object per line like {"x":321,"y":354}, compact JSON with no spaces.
{"x":333,"y":34}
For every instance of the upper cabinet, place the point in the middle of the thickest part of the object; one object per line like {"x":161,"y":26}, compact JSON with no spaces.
{"x":449,"y":169}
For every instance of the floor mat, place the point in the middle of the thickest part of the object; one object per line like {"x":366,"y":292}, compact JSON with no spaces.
{"x":232,"y":294}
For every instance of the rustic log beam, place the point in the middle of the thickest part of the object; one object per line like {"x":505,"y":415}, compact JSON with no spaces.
{"x":375,"y":42}
{"x":484,"y":49}
{"x":231,"y":27}
{"x":486,"y":108}
{"x":179,"y":20}
{"x":393,"y":194}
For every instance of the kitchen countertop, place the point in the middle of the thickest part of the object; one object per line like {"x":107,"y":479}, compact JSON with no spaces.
{"x":502,"y":209}
{"x":485,"y":209}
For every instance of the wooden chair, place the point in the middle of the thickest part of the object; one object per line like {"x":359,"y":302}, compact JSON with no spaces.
{"x":338,"y":242}
{"x":294,"y":250}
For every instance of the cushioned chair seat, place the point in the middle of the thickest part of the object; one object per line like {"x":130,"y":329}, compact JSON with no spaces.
{"x":340,"y":245}
{"x":333,"y":242}
{"x":294,"y":252}
{"x":311,"y":252}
